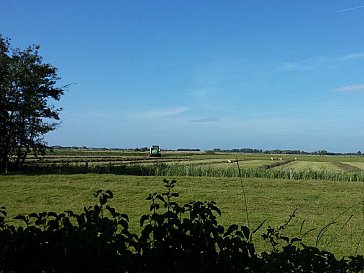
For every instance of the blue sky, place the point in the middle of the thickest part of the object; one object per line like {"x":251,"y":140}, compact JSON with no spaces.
{"x":201,"y":74}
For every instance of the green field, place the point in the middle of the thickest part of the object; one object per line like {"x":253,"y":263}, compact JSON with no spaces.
{"x":359,"y":165}
{"x":310,"y":165}
{"x":318,"y":202}
{"x":321,"y":188}
{"x":197,"y":164}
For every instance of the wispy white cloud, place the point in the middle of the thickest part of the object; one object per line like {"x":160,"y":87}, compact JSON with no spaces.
{"x":302,"y":65}
{"x":350,"y":9}
{"x":206,"y":120}
{"x":199,"y":93}
{"x":351,"y":88}
{"x":352,"y":56}
{"x":161,"y":113}
{"x":314,"y":63}
{"x":286,"y":66}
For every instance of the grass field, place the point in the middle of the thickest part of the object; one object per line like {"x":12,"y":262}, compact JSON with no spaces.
{"x":119,"y":156}
{"x":310,"y":165}
{"x":359,"y":165}
{"x":318,"y":202}
{"x":70,"y":177}
{"x":172,"y":163}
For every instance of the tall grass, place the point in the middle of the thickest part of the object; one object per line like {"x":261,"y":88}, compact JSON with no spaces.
{"x":162,"y":169}
{"x":244,"y":194}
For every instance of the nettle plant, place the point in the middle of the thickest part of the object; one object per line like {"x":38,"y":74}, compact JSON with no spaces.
{"x":188,"y":238}
{"x":96,"y":240}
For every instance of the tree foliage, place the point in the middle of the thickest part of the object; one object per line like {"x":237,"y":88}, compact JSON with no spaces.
{"x":27,"y":85}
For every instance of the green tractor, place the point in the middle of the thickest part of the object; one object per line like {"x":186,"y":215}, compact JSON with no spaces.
{"x":155,"y":151}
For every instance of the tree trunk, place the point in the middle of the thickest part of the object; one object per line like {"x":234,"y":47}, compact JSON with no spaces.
{"x":4,"y":162}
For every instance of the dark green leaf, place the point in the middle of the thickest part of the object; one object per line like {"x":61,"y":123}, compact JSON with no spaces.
{"x":143,"y":219}
{"x":52,"y":214}
{"x":231,"y":229}
{"x":295,"y":240}
{"x":21,"y":217}
{"x":110,"y":193}
{"x":160,"y":198}
{"x":246,"y":231}
{"x":33,"y":215}
{"x":97,"y":193}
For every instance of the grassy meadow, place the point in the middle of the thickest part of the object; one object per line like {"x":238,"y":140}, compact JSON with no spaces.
{"x":318,"y":203}
{"x":327,"y":191}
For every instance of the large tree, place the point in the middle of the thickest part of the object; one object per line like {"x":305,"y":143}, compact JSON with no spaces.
{"x":27,"y":89}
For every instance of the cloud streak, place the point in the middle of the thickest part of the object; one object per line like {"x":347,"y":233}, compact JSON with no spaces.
{"x":162,"y":113}
{"x":351,"y":88}
{"x":206,"y":120}
{"x":302,"y":65}
{"x":353,"y":56}
{"x":350,"y":9}
{"x":311,"y":64}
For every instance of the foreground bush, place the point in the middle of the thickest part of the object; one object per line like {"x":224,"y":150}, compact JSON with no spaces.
{"x":174,"y":238}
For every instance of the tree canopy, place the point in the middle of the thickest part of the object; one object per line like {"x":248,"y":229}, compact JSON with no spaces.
{"x":27,"y":89}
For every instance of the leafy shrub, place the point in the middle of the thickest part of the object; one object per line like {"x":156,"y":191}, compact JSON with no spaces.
{"x":68,"y":242}
{"x":174,"y":238}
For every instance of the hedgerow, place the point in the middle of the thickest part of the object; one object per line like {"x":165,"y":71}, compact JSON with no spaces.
{"x":174,"y":238}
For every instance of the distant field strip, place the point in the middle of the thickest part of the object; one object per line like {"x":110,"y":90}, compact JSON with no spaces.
{"x":200,"y":161}
{"x":310,"y":166}
{"x":230,"y":163}
{"x":336,"y":168}
{"x":359,"y":165}
{"x":243,"y":164}
{"x":346,"y":167}
{"x":101,"y":160}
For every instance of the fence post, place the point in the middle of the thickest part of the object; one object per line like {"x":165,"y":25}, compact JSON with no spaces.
{"x":290,"y":174}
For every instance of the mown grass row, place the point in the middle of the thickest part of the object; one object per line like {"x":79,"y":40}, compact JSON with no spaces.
{"x":346,"y":167}
{"x":162,"y":169}
{"x":133,"y":160}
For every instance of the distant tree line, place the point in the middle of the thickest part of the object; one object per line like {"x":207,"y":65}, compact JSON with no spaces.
{"x":278,"y":151}
{"x":137,"y":149}
{"x":188,"y":150}
{"x":216,"y":150}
